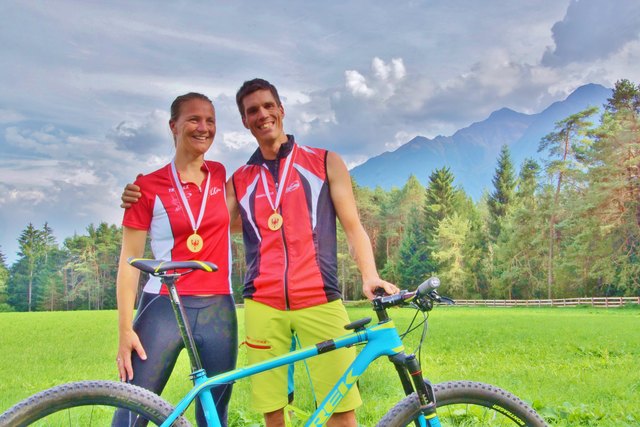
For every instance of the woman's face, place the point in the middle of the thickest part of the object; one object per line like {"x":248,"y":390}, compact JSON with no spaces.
{"x":195,"y":127}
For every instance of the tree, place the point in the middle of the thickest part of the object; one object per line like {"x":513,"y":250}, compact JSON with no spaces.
{"x":440,"y":198}
{"x":567,"y":147}
{"x":91,"y":269}
{"x":4,"y":277}
{"x":520,"y":250}
{"x":413,"y":259}
{"x":449,"y":253}
{"x":504,"y":183}
{"x":399,"y":206}
{"x":613,"y":199}
{"x":31,"y":248}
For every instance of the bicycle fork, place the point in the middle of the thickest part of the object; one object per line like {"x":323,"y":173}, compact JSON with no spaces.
{"x":410,"y":373}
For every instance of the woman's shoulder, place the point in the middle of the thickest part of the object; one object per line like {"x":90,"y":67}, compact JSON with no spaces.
{"x":216,"y":168}
{"x":152,"y":180}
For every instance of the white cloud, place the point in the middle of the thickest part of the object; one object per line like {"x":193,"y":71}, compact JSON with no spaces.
{"x":238,"y":140}
{"x":357,"y":84}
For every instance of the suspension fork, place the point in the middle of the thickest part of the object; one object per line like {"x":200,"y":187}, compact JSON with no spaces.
{"x":410,"y":373}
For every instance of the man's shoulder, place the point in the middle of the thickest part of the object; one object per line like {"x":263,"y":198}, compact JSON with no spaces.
{"x":246,"y":169}
{"x":317,"y":151}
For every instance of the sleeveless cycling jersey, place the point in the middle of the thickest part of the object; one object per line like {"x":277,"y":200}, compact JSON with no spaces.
{"x":160,"y":211}
{"x":294,"y":266}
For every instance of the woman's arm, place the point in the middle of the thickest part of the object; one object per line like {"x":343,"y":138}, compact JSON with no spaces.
{"x":133,"y":242}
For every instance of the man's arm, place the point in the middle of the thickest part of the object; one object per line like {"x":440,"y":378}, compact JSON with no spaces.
{"x":359,"y":243}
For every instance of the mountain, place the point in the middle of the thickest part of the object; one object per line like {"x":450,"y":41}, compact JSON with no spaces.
{"x":472,"y":152}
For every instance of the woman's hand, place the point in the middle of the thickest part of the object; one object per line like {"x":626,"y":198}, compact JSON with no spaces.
{"x":129,"y":342}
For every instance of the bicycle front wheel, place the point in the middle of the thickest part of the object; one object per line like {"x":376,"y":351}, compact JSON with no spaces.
{"x":466,"y":403}
{"x":89,"y":403}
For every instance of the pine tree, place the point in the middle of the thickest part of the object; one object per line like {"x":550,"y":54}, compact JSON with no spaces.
{"x":614,"y":196}
{"x":449,"y":253}
{"x":4,"y":277}
{"x":504,"y":183}
{"x":400,"y":207}
{"x":440,"y":199}
{"x":567,"y":147}
{"x":31,"y":249}
{"x":413,"y":265}
{"x":520,"y":249}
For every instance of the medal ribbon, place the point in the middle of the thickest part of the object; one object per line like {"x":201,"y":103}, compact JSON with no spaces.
{"x":183,"y":197}
{"x":280,"y":186}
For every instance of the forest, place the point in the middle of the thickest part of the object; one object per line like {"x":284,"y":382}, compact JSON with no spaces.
{"x":565,"y":226}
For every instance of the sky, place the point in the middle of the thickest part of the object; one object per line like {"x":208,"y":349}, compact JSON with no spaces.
{"x":85,"y":86}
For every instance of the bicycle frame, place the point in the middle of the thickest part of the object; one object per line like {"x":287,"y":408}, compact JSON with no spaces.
{"x":381,"y":339}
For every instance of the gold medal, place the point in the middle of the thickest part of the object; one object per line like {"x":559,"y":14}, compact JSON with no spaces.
{"x":195,"y":243}
{"x":275,"y":221}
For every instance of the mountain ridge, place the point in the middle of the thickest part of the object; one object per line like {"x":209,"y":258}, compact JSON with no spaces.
{"x":471,"y":152}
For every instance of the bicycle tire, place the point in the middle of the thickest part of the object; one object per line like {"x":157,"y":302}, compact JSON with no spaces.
{"x":58,"y":402}
{"x":467,"y":403}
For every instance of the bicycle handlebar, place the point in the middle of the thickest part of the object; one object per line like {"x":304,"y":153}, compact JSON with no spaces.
{"x":423,"y":297}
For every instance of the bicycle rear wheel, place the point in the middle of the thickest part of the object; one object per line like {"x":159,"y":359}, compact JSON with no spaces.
{"x":466,"y":403}
{"x":89,"y":403}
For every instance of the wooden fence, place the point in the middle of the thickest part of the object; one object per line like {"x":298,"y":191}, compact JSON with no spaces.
{"x":604,"y":302}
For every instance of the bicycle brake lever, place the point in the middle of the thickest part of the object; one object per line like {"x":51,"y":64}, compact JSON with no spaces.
{"x":446,"y":300}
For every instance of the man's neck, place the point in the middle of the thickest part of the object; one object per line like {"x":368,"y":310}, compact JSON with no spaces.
{"x":270,"y":149}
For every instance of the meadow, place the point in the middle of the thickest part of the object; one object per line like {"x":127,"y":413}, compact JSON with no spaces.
{"x":576,"y":366}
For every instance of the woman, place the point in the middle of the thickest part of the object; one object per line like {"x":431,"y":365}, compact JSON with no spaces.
{"x":183,"y":209}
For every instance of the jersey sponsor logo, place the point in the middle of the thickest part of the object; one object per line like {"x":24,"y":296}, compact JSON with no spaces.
{"x":293,"y":186}
{"x":214,"y":191}
{"x":263,"y":194}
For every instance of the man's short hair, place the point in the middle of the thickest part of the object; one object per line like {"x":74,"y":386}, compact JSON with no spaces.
{"x":251,"y":86}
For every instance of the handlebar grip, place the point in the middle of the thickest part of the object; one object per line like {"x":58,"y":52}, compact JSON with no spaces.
{"x":428,"y":285}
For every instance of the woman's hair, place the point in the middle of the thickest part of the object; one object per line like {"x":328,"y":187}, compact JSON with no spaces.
{"x":251,"y":86}
{"x":177,"y":103}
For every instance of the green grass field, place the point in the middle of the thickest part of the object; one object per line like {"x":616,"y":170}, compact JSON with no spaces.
{"x":577,"y":366}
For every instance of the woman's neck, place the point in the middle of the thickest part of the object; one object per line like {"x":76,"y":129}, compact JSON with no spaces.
{"x":190,"y":168}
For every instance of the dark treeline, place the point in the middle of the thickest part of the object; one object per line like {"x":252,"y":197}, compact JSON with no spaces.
{"x":569,"y":227}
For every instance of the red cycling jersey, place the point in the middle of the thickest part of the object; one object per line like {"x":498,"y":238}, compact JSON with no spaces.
{"x":294,"y":266}
{"x":160,"y":211}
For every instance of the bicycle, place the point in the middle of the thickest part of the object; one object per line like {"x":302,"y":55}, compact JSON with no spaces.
{"x":445,"y":404}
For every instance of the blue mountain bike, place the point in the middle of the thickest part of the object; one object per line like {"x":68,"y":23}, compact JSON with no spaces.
{"x":455,"y":403}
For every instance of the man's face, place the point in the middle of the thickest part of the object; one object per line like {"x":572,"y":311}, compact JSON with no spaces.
{"x":263,"y":117}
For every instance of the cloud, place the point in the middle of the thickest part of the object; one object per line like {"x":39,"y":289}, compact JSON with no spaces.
{"x":592,"y":30}
{"x":357,"y":84}
{"x":381,"y":84}
{"x":10,"y":116}
{"x":147,"y":135}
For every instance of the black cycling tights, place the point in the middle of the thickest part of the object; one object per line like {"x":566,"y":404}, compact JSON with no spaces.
{"x":215,"y":329}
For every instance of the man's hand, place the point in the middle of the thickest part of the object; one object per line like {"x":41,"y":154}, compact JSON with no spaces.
{"x":369,"y":286}
{"x":130,"y":195}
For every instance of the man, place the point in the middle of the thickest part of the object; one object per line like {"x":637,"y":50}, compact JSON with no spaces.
{"x":288,"y":197}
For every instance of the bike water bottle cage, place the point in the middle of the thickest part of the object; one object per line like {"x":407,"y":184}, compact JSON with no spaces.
{"x":158,"y":267}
